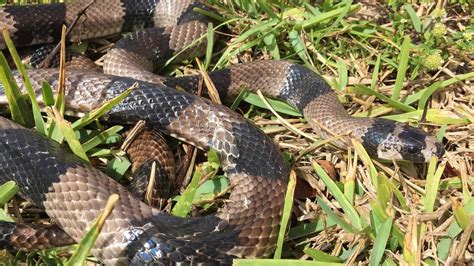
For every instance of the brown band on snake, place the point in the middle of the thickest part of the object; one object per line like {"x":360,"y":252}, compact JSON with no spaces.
{"x":32,"y":236}
{"x":150,"y":146}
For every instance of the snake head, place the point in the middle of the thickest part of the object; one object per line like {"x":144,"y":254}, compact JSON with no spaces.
{"x":394,"y":141}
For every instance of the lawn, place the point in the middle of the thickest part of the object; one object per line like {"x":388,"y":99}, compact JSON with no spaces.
{"x":408,"y":62}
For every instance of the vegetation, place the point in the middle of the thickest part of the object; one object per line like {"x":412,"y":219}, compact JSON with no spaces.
{"x":408,"y":62}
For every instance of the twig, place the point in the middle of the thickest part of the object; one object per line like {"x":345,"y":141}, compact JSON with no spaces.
{"x":47,"y":61}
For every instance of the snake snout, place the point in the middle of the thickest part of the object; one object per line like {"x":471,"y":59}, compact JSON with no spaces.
{"x":401,"y":142}
{"x":416,"y":145}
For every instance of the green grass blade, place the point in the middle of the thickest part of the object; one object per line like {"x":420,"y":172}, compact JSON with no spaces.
{"x":436,"y":116}
{"x":20,"y":110}
{"x":310,"y":228}
{"x":39,"y":122}
{"x":184,"y":204}
{"x":268,"y":262}
{"x":328,"y":15}
{"x":298,"y":45}
{"x":210,"y":45}
{"x":318,"y":255}
{"x":100,"y":138}
{"x":349,"y":210}
{"x":68,"y":133}
{"x":288,"y":206}
{"x":47,"y":93}
{"x":272,"y":45}
{"x":381,"y":242}
{"x":364,"y":90}
{"x":432,"y":183}
{"x":7,"y":192}
{"x":375,"y":74}
{"x":338,"y":220}
{"x":402,"y":67}
{"x":95,"y":114}
{"x":83,"y":249}
{"x":414,"y":17}
{"x":342,"y":70}
{"x":423,"y":95}
{"x":279,"y":106}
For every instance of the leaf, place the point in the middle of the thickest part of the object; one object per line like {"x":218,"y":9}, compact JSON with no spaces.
{"x":269,"y":262}
{"x":338,"y":220}
{"x":287,"y":208}
{"x":20,"y":110}
{"x":402,"y":67}
{"x":349,"y":210}
{"x":184,"y":204}
{"x":279,"y":106}
{"x":39,"y":122}
{"x":47,"y":93}
{"x":100,"y":138}
{"x":310,"y":228}
{"x":7,"y":192}
{"x":380,"y":242}
{"x":432,"y":183}
{"x":96,"y":113}
{"x":364,"y":90}
{"x":321,"y":256}
{"x":68,"y":133}
{"x":414,"y":17}
{"x":342,"y":70}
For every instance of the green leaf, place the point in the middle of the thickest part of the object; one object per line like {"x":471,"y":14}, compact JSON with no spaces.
{"x":436,"y":116}
{"x":47,"y":93}
{"x":117,"y":166}
{"x":20,"y":110}
{"x":321,"y":256}
{"x":279,"y":106}
{"x":342,"y":70}
{"x":211,"y":188}
{"x":287,"y":208}
{"x":349,"y":210}
{"x":210,"y":44}
{"x":8,"y":191}
{"x":100,"y":138}
{"x":84,"y":247}
{"x":213,"y":158}
{"x":328,"y":15}
{"x":272,"y":45}
{"x":39,"y":122}
{"x":96,"y":113}
{"x":380,"y":242}
{"x":69,"y":134}
{"x":298,"y":45}
{"x":402,"y":67}
{"x":310,"y":228}
{"x":364,"y":90}
{"x":414,"y":17}
{"x":338,"y":220}
{"x":269,"y":262}
{"x":184,"y":203}
{"x":432,"y":183}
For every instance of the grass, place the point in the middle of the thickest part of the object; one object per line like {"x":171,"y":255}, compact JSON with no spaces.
{"x":406,"y":62}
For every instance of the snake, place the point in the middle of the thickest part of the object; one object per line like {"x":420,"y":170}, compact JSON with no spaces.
{"x":73,"y":193}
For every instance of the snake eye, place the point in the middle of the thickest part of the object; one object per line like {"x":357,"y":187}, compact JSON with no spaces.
{"x":412,"y":149}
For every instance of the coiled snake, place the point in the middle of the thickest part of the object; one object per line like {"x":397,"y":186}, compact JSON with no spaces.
{"x":73,"y":193}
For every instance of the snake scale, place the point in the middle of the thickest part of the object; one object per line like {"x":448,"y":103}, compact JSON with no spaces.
{"x":73,"y":193}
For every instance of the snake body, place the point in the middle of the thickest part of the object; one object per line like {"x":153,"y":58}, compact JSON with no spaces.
{"x":73,"y":193}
